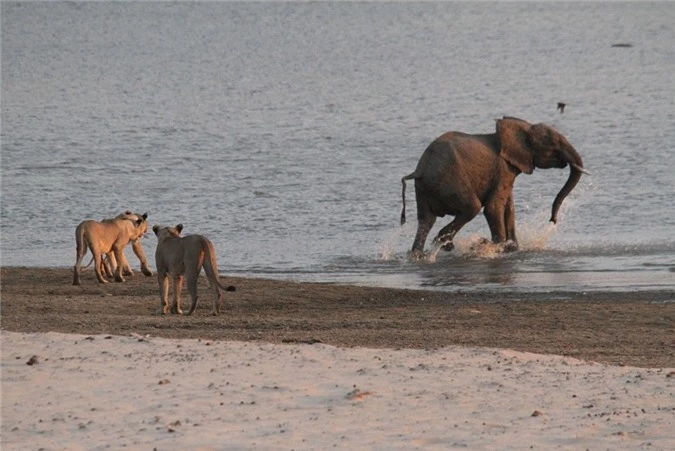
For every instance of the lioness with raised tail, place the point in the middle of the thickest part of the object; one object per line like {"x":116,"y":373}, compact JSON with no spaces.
{"x":110,"y":236}
{"x":179,"y":256}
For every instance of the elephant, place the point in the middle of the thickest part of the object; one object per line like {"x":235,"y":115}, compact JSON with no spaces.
{"x":460,"y":173}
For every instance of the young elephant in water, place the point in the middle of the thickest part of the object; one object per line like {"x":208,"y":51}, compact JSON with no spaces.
{"x":459,"y":173}
{"x":178,"y":256}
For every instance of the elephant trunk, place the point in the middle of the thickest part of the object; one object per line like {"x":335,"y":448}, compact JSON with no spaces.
{"x":576,"y":169}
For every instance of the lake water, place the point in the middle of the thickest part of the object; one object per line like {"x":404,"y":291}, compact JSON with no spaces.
{"x":282,"y":130}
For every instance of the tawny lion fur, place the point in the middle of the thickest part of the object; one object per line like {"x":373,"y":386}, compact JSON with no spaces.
{"x":109,"y":237}
{"x":108,"y":262}
{"x":178,"y":256}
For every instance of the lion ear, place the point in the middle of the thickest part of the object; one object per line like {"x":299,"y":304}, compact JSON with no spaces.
{"x":145,"y":216}
{"x":179,"y":227}
{"x":128,"y":212}
{"x":155,"y":229}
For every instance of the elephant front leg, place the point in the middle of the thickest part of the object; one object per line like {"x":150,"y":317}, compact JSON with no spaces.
{"x":510,"y":223}
{"x":501,"y":219}
{"x":495,"y":214}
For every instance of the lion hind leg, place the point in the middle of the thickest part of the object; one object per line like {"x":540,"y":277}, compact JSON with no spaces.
{"x":177,"y":291}
{"x":80,"y":250}
{"x":108,"y":264}
{"x":163,"y":281}
{"x":217,"y":299}
{"x":211,"y":270}
{"x":192,"y":282}
{"x":119,"y":260}
{"x":98,"y":265}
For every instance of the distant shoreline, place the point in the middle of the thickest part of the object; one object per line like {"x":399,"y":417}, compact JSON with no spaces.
{"x":624,"y":328}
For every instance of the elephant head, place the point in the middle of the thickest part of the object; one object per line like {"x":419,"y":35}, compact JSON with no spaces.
{"x":527,"y":146}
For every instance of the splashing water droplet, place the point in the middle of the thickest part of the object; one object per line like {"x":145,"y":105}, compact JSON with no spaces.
{"x":433,"y":255}
{"x":391,"y":239}
{"x":479,"y":247}
{"x":535,"y":239}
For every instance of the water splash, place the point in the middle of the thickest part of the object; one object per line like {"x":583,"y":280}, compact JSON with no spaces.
{"x":392,"y":239}
{"x":476,"y":246}
{"x":433,"y":255}
{"x":535,"y":238}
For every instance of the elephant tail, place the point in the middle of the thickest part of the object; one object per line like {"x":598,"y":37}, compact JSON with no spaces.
{"x":407,"y":177}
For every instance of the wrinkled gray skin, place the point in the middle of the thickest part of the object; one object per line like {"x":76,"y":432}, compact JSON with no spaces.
{"x":458,"y":174}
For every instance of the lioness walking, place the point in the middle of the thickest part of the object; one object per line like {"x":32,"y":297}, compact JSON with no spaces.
{"x":177,"y":256}
{"x":110,"y":236}
{"x":108,"y":262}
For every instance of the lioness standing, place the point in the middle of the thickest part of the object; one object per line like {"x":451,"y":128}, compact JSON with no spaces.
{"x":109,"y":263}
{"x":110,"y":236}
{"x":177,"y":256}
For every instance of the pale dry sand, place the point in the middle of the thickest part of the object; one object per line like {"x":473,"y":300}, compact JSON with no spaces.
{"x":142,"y":392}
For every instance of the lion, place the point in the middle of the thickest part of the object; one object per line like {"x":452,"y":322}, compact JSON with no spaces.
{"x":177,"y":256}
{"x":108,"y":261}
{"x":109,"y":237}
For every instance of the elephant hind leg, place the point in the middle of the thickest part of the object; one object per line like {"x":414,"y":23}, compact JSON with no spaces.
{"x":424,"y":225}
{"x":425,"y":220}
{"x":447,"y":233}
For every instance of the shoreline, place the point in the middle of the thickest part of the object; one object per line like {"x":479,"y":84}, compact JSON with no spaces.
{"x":617,"y":328}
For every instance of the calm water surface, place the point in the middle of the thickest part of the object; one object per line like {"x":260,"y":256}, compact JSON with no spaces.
{"x":281,"y":131}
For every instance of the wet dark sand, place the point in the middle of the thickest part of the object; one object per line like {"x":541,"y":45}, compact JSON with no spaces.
{"x":626,"y":328}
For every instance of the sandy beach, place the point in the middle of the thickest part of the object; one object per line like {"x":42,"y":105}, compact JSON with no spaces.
{"x":316,"y":366}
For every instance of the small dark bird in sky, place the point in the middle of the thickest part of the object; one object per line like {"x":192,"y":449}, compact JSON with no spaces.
{"x":561,"y":107}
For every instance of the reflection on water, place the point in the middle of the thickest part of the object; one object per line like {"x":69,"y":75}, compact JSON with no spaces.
{"x":478,"y":265}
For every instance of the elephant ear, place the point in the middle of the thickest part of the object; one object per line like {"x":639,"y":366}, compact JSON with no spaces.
{"x":514,"y":143}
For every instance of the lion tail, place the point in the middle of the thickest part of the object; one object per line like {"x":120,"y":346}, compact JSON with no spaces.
{"x":88,"y":264}
{"x":210,"y":263}
{"x":80,"y":243}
